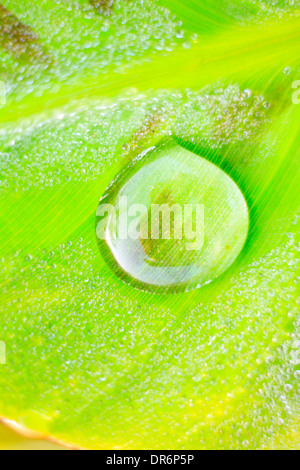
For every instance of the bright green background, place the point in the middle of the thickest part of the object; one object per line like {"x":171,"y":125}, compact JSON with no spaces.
{"x":91,"y":360}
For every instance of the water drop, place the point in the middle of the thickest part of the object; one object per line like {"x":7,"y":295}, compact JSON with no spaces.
{"x":246,"y":94}
{"x":171,"y":221}
{"x":288,"y":387}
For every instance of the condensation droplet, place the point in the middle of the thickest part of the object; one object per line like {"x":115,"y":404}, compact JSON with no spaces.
{"x":171,"y":221}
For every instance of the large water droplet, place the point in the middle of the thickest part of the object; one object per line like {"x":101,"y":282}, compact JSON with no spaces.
{"x":171,"y":221}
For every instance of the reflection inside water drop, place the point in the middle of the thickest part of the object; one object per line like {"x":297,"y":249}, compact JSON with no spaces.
{"x":171,"y":221}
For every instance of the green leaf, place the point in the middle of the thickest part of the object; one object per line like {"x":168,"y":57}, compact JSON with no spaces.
{"x":90,"y":360}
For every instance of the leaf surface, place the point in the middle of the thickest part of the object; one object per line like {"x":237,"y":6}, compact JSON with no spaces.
{"x":91,"y":360}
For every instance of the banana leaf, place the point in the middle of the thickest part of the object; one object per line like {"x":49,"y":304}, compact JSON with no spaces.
{"x":91,"y":361}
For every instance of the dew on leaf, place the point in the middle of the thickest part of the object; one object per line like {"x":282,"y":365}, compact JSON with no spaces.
{"x":171,"y":221}
{"x":19,"y":39}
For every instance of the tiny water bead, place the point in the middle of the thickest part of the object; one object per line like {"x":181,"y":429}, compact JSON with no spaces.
{"x":171,"y":221}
